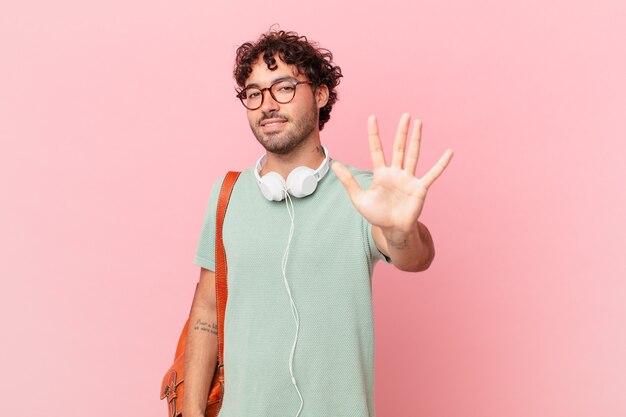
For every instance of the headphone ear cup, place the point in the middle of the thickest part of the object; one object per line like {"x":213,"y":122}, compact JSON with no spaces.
{"x":272,"y":186}
{"x":301,"y":182}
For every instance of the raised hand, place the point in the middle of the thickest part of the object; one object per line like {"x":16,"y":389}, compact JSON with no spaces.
{"x":395,"y":198}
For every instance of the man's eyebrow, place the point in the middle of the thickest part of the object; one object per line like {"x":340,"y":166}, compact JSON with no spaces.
{"x":283,"y":78}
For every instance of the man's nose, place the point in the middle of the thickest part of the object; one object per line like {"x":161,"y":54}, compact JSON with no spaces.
{"x":269,"y":104}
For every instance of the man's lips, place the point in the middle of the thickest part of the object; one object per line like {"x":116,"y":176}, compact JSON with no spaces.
{"x":272,"y":122}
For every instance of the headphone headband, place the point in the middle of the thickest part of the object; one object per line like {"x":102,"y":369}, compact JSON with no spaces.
{"x":319,"y":172}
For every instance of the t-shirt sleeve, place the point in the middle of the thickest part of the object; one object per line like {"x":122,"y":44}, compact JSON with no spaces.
{"x":205,"y":254}
{"x":375,"y":253}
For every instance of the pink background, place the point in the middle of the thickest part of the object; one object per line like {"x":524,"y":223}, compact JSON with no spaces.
{"x":116,"y":116}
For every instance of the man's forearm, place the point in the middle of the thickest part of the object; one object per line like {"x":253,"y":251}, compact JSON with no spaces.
{"x":411,"y":251}
{"x":200,"y":361}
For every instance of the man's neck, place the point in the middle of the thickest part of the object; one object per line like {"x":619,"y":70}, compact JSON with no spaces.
{"x":309,"y":154}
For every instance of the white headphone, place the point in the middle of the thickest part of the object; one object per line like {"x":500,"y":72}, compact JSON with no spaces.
{"x":301,"y":182}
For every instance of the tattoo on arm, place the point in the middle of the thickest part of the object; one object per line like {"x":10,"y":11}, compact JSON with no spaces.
{"x":203,"y":326}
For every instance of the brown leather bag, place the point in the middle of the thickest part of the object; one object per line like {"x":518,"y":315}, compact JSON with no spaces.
{"x":172,"y":386}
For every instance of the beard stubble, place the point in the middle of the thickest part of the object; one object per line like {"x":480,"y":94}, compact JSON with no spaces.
{"x":284,"y":142}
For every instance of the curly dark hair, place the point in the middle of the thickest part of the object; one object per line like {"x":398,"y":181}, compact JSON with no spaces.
{"x":316,"y":63}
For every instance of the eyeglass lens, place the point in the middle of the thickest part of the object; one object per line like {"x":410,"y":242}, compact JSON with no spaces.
{"x":282,"y":91}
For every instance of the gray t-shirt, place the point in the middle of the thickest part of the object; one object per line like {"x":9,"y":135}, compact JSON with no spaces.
{"x":329,"y":271}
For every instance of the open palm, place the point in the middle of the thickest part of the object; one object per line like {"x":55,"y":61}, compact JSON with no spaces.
{"x":395,"y":198}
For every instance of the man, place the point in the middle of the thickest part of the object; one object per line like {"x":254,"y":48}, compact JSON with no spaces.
{"x":302,"y":234}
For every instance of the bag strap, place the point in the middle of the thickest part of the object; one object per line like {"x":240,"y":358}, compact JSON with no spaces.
{"x":221,"y":268}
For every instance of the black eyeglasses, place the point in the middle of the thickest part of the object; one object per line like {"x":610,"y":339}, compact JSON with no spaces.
{"x":282,"y":91}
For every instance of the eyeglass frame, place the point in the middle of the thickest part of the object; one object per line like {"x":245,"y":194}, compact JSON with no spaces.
{"x":293,"y":81}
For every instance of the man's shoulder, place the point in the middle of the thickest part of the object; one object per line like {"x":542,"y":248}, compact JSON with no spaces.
{"x":218,"y":181}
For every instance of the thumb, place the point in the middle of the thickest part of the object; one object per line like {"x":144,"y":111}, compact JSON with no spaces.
{"x":347,"y":179}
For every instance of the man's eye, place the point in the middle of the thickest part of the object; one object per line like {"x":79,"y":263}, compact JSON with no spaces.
{"x":286,"y":88}
{"x":252,"y":94}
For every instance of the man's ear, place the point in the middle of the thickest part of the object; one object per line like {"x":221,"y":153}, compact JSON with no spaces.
{"x":321,"y":95}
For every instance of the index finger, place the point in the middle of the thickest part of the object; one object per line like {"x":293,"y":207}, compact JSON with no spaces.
{"x":376,"y":149}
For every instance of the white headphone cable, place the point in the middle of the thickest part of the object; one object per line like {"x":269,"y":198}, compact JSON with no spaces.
{"x":294,"y":311}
